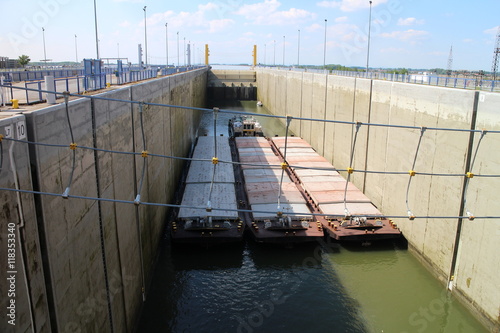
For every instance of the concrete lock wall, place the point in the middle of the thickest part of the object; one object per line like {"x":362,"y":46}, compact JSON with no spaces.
{"x":86,"y":261}
{"x":463,"y":251}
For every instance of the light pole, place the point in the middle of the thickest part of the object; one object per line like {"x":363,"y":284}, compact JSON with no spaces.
{"x":274,"y":53}
{"x":178,"y":57}
{"x":298,"y":51}
{"x":324,"y":52}
{"x":76,"y":50}
{"x":369,"y":33}
{"x":145,"y":36}
{"x":265,"y":55}
{"x":283,"y":51}
{"x":96,"y":34}
{"x":166,"y":40}
{"x":118,"y":49}
{"x":184,"y":51}
{"x":44,"y":50}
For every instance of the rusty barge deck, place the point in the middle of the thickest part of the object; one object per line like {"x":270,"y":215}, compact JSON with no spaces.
{"x":346,"y":213}
{"x":279,"y":214}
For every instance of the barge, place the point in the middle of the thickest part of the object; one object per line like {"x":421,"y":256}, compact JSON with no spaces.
{"x":346,"y":213}
{"x":279,"y":211}
{"x":210,"y":183}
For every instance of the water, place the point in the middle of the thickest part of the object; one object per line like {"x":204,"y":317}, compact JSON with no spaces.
{"x":271,"y":126}
{"x":321,"y":287}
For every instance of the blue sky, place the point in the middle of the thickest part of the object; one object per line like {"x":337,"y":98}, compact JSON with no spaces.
{"x":404,"y":33}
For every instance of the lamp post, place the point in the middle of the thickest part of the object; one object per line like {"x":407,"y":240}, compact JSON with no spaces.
{"x":76,"y":50}
{"x":118,"y":49}
{"x":324,"y":51}
{"x":166,"y":40}
{"x":369,"y":33}
{"x":283,"y":51}
{"x":96,"y":33}
{"x":274,"y":53}
{"x":298,"y":50}
{"x":178,"y":57}
{"x":145,"y":36}
{"x":184,"y":51}
{"x":265,"y":55}
{"x":44,"y":50}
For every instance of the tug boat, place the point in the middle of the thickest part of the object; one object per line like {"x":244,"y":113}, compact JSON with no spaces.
{"x":244,"y":126}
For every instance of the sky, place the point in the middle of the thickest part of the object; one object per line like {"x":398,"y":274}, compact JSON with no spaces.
{"x":403,"y":33}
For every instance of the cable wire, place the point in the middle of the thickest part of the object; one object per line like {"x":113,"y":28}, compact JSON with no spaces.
{"x":145,"y":203}
{"x":350,"y":170}
{"x":412,"y":172}
{"x":470,"y":175}
{"x":144,"y":154}
{"x":72,"y":147}
{"x":214,"y":161}
{"x":259,"y":114}
{"x":284,"y":165}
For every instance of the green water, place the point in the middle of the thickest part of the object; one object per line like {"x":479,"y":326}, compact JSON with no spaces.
{"x":396,"y":293}
{"x":320,"y":287}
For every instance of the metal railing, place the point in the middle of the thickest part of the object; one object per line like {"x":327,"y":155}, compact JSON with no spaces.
{"x":76,"y":84}
{"x":431,"y":80}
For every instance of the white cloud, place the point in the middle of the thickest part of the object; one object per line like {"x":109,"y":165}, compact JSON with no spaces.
{"x":438,"y":53}
{"x":314,"y":27}
{"x":492,"y":31}
{"x":394,"y":50}
{"x":124,"y":24}
{"x":349,"y":5}
{"x":258,"y":9}
{"x":408,"y":35}
{"x":410,"y":21}
{"x":341,"y":19}
{"x":207,"y":7}
{"x":266,"y":13}
{"x":218,"y":25}
{"x":131,"y":1}
{"x":468,"y":40}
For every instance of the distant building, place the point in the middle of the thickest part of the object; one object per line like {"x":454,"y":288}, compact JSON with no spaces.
{"x":5,"y":62}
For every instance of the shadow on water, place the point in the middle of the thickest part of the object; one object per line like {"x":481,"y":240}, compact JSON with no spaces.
{"x":193,"y":257}
{"x":247,"y":288}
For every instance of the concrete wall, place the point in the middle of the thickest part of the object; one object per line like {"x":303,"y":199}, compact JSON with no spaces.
{"x":473,"y":259}
{"x":18,"y":222}
{"x":88,"y":260}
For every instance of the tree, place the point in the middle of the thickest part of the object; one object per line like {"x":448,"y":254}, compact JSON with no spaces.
{"x":23,"y":60}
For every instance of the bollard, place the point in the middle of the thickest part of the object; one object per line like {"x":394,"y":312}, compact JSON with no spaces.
{"x":15,"y":103}
{"x":50,"y":86}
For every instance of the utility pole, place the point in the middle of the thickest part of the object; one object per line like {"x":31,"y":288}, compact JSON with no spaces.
{"x":324,"y":50}
{"x":496,"y":56}
{"x":450,"y":62}
{"x":298,"y":51}
{"x":166,"y":40}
